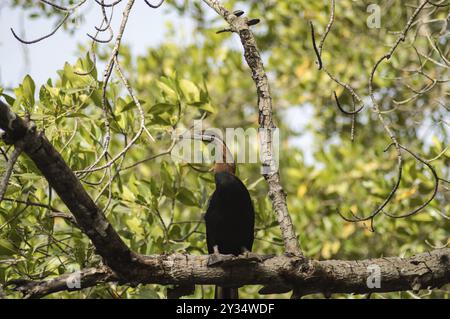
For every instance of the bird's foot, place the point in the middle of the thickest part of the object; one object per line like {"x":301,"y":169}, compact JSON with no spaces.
{"x":216,"y":259}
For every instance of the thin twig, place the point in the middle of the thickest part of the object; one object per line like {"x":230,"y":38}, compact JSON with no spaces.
{"x":8,"y":171}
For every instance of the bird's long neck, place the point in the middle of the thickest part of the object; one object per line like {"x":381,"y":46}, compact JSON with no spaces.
{"x":224,"y":167}
{"x":227,"y":163}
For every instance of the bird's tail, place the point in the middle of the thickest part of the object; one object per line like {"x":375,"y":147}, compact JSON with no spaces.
{"x":226,"y":293}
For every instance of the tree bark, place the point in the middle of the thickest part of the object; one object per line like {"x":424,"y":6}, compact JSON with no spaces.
{"x":277,"y":274}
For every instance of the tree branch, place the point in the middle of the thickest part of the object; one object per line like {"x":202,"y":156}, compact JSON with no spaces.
{"x":276,"y":273}
{"x":8,"y":171}
{"x":68,"y":282}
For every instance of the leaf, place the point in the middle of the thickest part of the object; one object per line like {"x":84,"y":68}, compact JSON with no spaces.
{"x":190,"y":91}
{"x":160,"y":108}
{"x":301,"y":191}
{"x":186,"y":197}
{"x":28,"y":89}
{"x":347,"y":230}
{"x":407,"y":193}
{"x":9,"y":99}
{"x":254,"y":184}
{"x":25,"y":93}
{"x":128,"y":194}
{"x":423,"y":217}
{"x":6,"y":248}
{"x":208,"y":108}
{"x":330,"y":248}
{"x":169,"y":93}
{"x":134,"y":224}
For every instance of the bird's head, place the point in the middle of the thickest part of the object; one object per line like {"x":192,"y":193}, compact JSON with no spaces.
{"x":225,"y":162}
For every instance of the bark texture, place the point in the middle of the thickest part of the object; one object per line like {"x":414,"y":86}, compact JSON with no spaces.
{"x":276,"y":274}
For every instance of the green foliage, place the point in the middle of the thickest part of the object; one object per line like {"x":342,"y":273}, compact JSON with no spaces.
{"x":155,"y":206}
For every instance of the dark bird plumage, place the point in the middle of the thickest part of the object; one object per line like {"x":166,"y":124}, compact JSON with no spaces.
{"x":230,"y":220}
{"x":230,"y":217}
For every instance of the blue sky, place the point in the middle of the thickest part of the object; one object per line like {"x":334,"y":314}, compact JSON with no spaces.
{"x":146,"y":28}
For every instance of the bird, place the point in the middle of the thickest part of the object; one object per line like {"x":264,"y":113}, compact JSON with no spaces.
{"x":230,"y":217}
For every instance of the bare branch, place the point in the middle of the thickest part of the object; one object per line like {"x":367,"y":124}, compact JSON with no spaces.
{"x":8,"y":171}
{"x":68,"y":282}
{"x":277,"y":274}
{"x":154,"y":6}
{"x":59,"y":25}
{"x":105,"y":104}
{"x":379,"y":113}
{"x":318,"y":49}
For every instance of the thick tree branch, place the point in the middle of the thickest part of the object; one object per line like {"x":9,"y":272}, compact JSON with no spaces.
{"x":240,"y":25}
{"x":68,"y":282}
{"x":277,"y":274}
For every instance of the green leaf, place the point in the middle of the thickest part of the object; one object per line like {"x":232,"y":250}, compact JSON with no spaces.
{"x":6,"y":248}
{"x":29,"y":89}
{"x":190,"y":91}
{"x":25,"y":93}
{"x":160,"y":108}
{"x":169,"y":93}
{"x":205,"y":107}
{"x":9,"y":99}
{"x":186,"y":197}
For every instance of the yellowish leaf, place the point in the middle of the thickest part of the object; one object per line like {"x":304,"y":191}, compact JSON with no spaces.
{"x":404,"y":194}
{"x":330,"y":248}
{"x":347,"y":230}
{"x":302,"y":68}
{"x":134,"y":224}
{"x":301,"y":191}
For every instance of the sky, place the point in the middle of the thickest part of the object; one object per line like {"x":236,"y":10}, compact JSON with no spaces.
{"x":146,"y":28}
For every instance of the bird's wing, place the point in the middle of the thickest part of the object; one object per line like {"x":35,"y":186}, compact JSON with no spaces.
{"x":211,"y":223}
